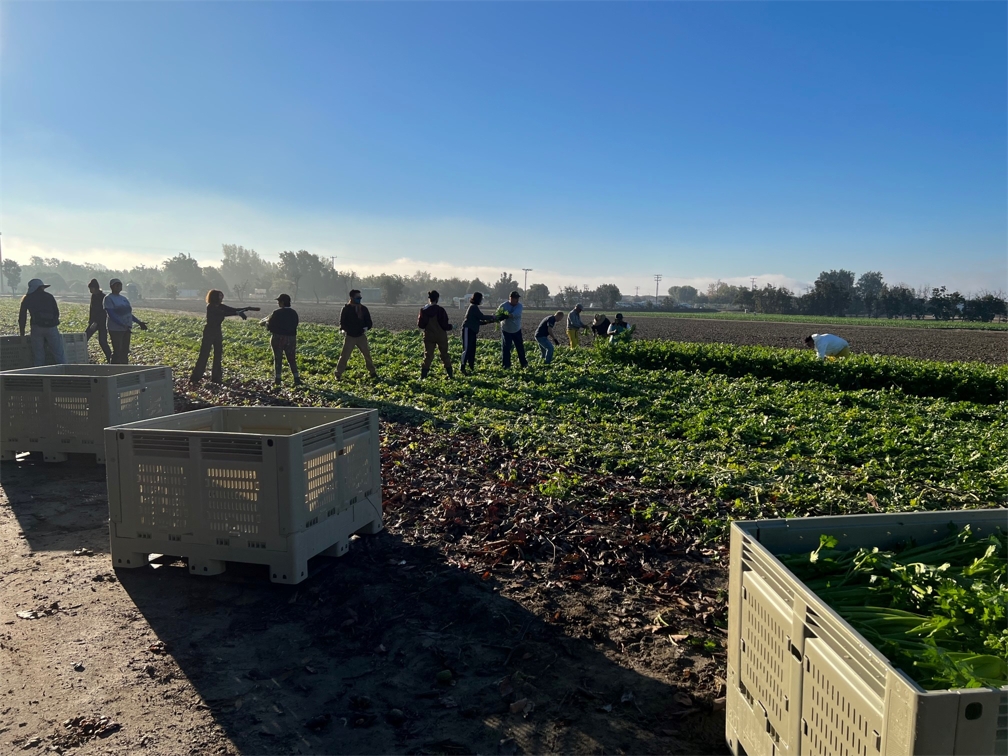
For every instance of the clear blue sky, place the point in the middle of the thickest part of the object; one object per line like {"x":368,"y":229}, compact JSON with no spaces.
{"x":590,"y":142}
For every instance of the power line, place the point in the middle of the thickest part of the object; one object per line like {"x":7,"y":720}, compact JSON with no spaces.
{"x":657,"y":278}
{"x":525,"y":288}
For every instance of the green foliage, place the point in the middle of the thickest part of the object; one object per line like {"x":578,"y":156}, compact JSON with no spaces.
{"x":826,"y":320}
{"x":958,"y":381}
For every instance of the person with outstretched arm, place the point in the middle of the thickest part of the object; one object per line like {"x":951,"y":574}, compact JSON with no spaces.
{"x":433,"y":321}
{"x":544,"y":335}
{"x":97,"y":319}
{"x":213,"y":337}
{"x":828,"y":345}
{"x":120,"y":320}
{"x":282,"y":324}
{"x":45,"y":319}
{"x":474,"y":318}
{"x":355,"y":320}
{"x":511,"y":333}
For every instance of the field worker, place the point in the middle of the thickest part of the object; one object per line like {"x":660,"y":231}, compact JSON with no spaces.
{"x":619,"y":330}
{"x":574,"y":326}
{"x":600,"y":326}
{"x":96,"y":318}
{"x":354,"y":320}
{"x":119,"y":313}
{"x":474,"y":318}
{"x":511,"y":333}
{"x":282,"y":324}
{"x":544,"y":335}
{"x":433,"y":321}
{"x":827,"y":345}
{"x":213,"y":337}
{"x":45,"y":318}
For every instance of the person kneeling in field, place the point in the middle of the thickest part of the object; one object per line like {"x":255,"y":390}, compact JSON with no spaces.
{"x":544,"y":334}
{"x":827,"y":345}
{"x":282,"y":325}
{"x":433,"y":321}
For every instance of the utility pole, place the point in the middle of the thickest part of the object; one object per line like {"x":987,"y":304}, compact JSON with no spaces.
{"x":332,"y":260}
{"x":527,"y":271}
{"x":752,"y":283}
{"x":657,"y":279}
{"x":636,"y":291}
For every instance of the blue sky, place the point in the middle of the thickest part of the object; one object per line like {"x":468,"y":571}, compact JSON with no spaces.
{"x":591,"y":142}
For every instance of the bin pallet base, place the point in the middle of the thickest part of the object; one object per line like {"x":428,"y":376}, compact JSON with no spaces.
{"x":290,"y":566}
{"x":47,"y":456}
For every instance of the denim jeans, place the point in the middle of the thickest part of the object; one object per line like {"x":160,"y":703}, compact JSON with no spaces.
{"x":545,"y":348}
{"x":42,"y":336}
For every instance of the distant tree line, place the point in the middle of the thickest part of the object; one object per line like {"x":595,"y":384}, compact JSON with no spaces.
{"x":244,"y":274}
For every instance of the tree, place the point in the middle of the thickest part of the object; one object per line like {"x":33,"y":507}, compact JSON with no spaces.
{"x":477,"y":285}
{"x":290,"y":269}
{"x":538,"y":295}
{"x":774,"y":301}
{"x":171,"y":290}
{"x":12,"y":273}
{"x":392,"y":288}
{"x":984,"y":307}
{"x":212,"y":279}
{"x":504,"y":286}
{"x":686,"y":295}
{"x":183,"y":271}
{"x":869,"y":290}
{"x":607,"y":295}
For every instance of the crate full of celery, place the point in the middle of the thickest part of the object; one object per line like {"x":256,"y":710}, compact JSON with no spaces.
{"x":802,"y":679}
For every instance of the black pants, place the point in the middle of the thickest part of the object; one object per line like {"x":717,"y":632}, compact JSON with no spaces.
{"x":284,"y":345}
{"x":102,"y":330}
{"x":515,"y":339}
{"x":211,"y":340}
{"x":469,"y":348}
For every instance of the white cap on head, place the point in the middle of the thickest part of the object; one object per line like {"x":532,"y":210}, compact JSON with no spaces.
{"x":113,"y":282}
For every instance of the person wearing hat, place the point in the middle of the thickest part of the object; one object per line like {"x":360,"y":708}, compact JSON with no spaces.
{"x":544,"y":335}
{"x":433,"y":321}
{"x":355,"y":322}
{"x":120,"y":321}
{"x":45,"y":318}
{"x":574,"y":326}
{"x":96,"y":319}
{"x":600,"y":325}
{"x":620,"y":330}
{"x":282,"y":324}
{"x":511,"y":333}
{"x":474,"y":318}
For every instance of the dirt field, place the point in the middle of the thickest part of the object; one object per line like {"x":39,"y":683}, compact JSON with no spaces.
{"x":526,"y":630}
{"x":922,"y":343}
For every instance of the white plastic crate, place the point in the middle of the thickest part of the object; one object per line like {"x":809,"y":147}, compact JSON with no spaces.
{"x":16,"y":351}
{"x":265,"y":485}
{"x":63,"y":409}
{"x":802,"y":681}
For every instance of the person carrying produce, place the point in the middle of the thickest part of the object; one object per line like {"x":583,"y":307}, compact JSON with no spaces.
{"x":511,"y":333}
{"x":213,"y":337}
{"x":433,"y":321}
{"x":354,"y":321}
{"x":282,"y":324}
{"x":828,"y":345}
{"x":544,"y":335}
{"x":600,"y":326}
{"x":620,"y":330}
{"x":575,"y":326}
{"x":96,"y":319}
{"x":474,"y":318}
{"x":45,"y":318}
{"x":120,"y":322}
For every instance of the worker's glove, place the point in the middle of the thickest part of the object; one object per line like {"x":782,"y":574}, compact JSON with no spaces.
{"x":263,"y":322}
{"x":556,"y":343}
{"x":143,"y":326}
{"x":243,"y":316}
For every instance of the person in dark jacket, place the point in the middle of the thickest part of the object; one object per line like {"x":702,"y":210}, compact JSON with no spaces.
{"x":600,"y":326}
{"x":544,"y":335}
{"x":474,"y":318}
{"x":45,"y":318}
{"x":282,"y":324}
{"x":96,"y":319}
{"x":354,"y":321}
{"x":213,"y":337}
{"x":433,"y":321}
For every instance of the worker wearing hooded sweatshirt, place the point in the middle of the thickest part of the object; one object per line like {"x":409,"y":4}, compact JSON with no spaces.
{"x":433,"y":321}
{"x":45,"y":318}
{"x":574,"y":326}
{"x":828,"y":345}
{"x":96,"y":319}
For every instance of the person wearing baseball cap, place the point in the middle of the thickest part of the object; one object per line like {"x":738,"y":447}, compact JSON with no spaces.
{"x":511,"y":332}
{"x":120,"y":316}
{"x":282,"y":324}
{"x":45,"y":319}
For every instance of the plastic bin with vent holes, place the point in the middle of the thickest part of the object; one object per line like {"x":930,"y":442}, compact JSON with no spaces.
{"x":64,"y":409}
{"x":262,"y":485}
{"x":802,"y":681}
{"x":16,"y":352}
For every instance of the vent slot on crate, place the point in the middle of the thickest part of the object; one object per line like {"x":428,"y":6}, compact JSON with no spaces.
{"x":23,"y":406}
{"x":155,"y":375}
{"x":236,"y":449}
{"x":155,"y":405}
{"x":130,"y":379}
{"x":156,"y":445}
{"x":321,"y":488}
{"x":256,"y":545}
{"x":22,"y":383}
{"x":162,"y":491}
{"x":233,"y":500}
{"x":70,"y":385}
{"x":1001,"y":736}
{"x":319,"y":439}
{"x":765,"y":657}
{"x":129,"y":405}
{"x":358,"y":467}
{"x":70,"y":414}
{"x":358,"y":425}
{"x":837,"y":717}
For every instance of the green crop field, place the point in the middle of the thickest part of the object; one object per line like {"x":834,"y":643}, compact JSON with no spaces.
{"x":751,"y":431}
{"x":880,"y":322}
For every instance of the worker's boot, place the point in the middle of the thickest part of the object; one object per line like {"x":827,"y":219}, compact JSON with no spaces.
{"x":423,"y":372}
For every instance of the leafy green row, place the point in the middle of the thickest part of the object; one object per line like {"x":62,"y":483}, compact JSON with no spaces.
{"x":959,"y":381}
{"x":827,"y":320}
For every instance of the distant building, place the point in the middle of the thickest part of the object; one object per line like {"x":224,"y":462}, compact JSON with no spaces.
{"x":371,"y":296}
